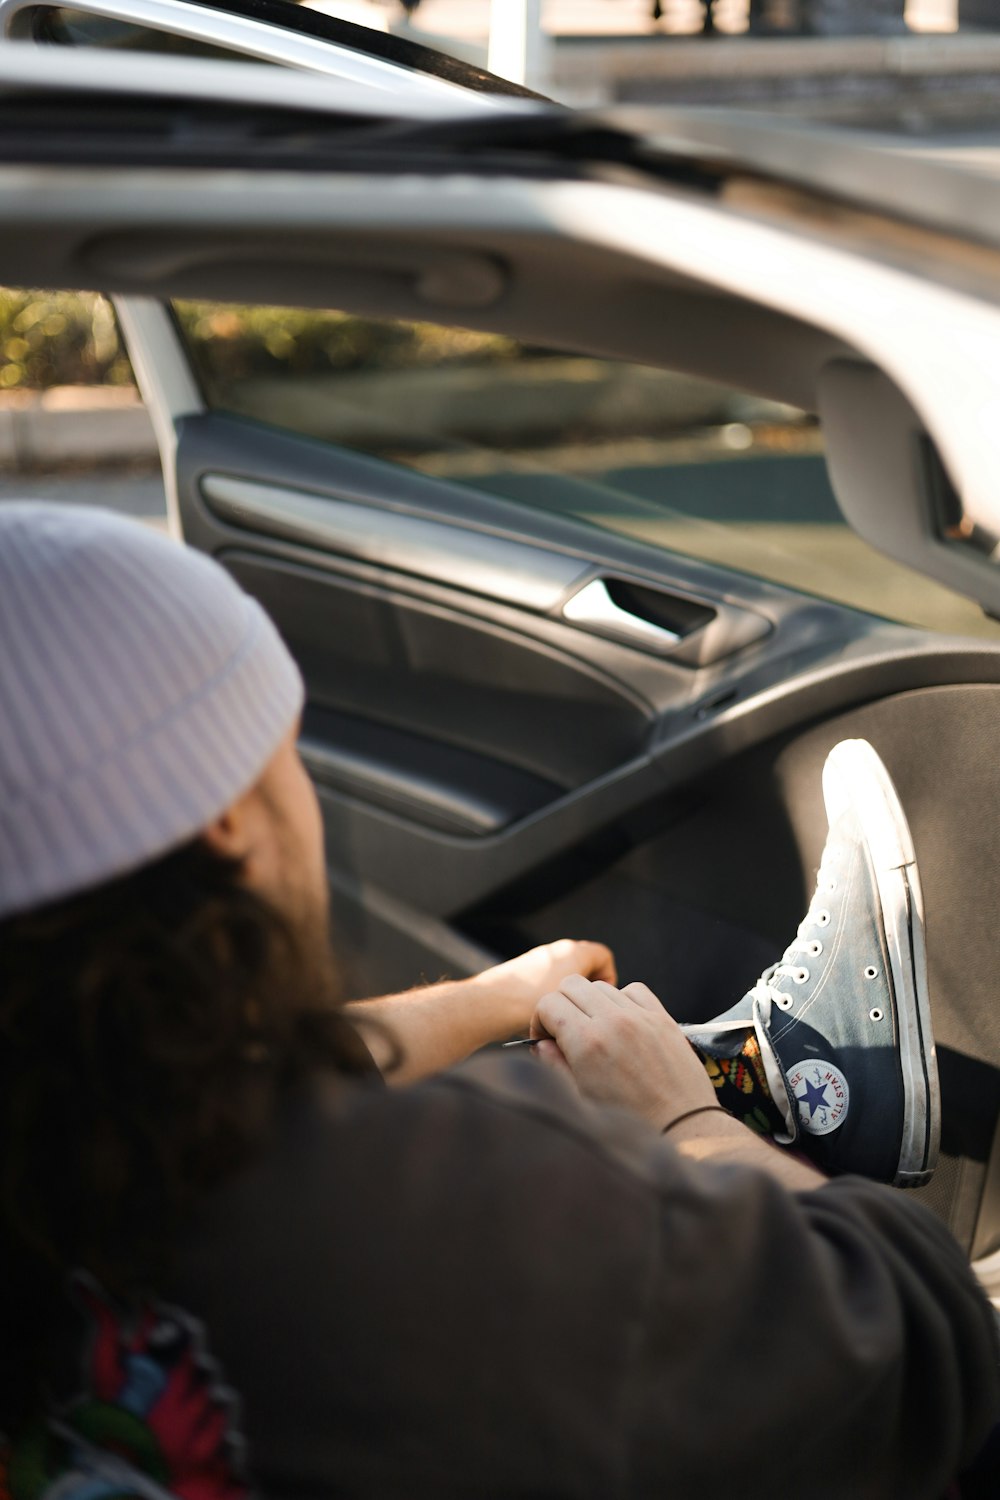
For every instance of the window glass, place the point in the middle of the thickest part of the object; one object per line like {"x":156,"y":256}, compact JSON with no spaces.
{"x":685,"y":464}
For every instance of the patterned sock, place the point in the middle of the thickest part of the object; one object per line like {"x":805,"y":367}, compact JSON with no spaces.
{"x":741,"y":1085}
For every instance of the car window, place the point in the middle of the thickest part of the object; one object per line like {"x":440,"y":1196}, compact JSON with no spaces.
{"x":684,"y":464}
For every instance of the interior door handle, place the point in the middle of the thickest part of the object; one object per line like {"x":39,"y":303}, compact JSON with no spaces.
{"x":594,"y":609}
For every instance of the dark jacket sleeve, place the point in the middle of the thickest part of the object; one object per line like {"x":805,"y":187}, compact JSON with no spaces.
{"x":837,"y":1335}
{"x":480,"y":1287}
{"x":839,"y":1331}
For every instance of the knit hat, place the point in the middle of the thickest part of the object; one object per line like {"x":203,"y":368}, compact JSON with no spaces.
{"x":141,"y":692}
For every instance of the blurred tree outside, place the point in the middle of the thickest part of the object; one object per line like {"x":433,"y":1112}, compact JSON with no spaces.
{"x":71,"y":338}
{"x":59,"y":338}
{"x":233,"y":343}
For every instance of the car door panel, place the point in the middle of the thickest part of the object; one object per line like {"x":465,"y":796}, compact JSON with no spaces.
{"x":475,"y":751}
{"x":446,"y":675}
{"x":530,"y":577}
{"x":241,"y":484}
{"x":418,"y":777}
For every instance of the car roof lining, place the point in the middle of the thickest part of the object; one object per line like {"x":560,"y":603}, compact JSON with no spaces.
{"x":531,"y":291}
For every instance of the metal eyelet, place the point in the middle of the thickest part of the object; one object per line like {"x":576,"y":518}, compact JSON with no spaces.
{"x":871,"y":972}
{"x":822,"y":918}
{"x":801,"y":976}
{"x":815,"y":948}
{"x":876,"y":1014}
{"x":784,"y":1002}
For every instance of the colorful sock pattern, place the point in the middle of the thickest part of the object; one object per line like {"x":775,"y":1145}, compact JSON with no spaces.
{"x":741,"y":1085}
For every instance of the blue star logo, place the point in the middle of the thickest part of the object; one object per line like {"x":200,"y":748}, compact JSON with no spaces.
{"x":814,"y":1096}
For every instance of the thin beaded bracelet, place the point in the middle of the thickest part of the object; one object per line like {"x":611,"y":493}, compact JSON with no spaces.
{"x":702,"y":1109}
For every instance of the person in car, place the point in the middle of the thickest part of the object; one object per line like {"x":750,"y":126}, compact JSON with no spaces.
{"x":236,"y":1261}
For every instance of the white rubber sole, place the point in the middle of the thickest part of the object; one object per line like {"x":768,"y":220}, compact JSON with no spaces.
{"x":855,"y":777}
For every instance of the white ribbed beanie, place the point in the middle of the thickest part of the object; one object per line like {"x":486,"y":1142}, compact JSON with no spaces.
{"x":141,"y":692}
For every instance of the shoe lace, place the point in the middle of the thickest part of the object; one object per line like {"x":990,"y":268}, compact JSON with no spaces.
{"x":788,"y":965}
{"x":768,"y":987}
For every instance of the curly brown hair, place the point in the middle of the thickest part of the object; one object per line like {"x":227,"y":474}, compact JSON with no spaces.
{"x":148,"y":1030}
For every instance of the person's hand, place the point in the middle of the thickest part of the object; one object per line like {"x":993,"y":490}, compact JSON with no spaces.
{"x":542,"y":969}
{"x":521,"y":982}
{"x":622,"y":1048}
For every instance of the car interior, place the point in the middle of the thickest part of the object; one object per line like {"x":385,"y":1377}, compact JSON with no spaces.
{"x":528,"y":718}
{"x":497,"y":768}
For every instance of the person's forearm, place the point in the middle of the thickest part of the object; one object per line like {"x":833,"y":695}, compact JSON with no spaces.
{"x":715,"y":1135}
{"x":432,"y":1028}
{"x":422,"y":1031}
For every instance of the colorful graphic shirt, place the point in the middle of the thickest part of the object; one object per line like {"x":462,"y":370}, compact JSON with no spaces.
{"x":153,"y":1418}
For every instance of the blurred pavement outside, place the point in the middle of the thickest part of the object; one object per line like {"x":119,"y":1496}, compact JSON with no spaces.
{"x":73,"y":424}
